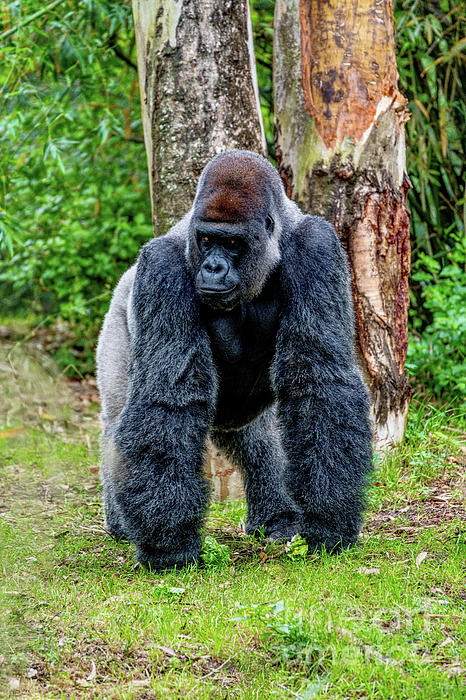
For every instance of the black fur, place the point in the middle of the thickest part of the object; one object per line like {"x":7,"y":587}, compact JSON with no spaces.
{"x":268,"y":371}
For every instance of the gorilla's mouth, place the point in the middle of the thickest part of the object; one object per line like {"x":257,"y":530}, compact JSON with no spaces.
{"x":216,"y":291}
{"x":220,"y":298}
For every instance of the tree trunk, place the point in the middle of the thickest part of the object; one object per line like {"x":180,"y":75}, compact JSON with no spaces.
{"x":199,"y":93}
{"x":339,"y":129}
{"x":199,"y":97}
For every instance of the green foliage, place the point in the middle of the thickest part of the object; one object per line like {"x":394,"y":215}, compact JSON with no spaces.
{"x":437,"y":355}
{"x":430,"y":54}
{"x":74,"y":204}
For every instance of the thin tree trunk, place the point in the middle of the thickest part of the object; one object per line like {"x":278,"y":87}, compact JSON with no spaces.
{"x":199,"y":93}
{"x":199,"y":97}
{"x":339,"y":129}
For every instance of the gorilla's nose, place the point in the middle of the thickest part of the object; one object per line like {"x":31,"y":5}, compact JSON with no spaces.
{"x":215,"y":269}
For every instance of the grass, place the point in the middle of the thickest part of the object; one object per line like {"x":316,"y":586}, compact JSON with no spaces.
{"x":79,"y":620}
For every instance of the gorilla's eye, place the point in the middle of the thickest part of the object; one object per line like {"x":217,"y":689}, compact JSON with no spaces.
{"x":233,"y":245}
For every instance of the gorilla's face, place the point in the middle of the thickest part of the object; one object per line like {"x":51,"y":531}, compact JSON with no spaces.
{"x":230,"y":261}
{"x":233,"y":239}
{"x":218,"y":278}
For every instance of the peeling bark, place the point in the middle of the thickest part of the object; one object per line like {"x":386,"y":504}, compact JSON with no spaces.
{"x":199,"y":93}
{"x":339,"y":128}
{"x":348,"y":64}
{"x":199,"y":97}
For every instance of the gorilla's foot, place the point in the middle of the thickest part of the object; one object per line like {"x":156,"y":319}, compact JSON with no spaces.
{"x":332,"y":542}
{"x":282,"y":532}
{"x":279,"y":530}
{"x":157,"y":559}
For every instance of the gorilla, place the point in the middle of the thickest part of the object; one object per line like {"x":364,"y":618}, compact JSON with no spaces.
{"x":237,"y":326}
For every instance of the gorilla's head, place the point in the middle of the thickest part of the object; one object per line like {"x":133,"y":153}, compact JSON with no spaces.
{"x":235,"y":228}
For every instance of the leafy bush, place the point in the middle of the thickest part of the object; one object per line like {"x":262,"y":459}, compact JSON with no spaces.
{"x":430,"y":55}
{"x":437,"y":357}
{"x":74,"y":202}
{"x":430,"y":44}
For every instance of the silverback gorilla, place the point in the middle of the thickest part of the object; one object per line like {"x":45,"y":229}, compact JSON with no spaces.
{"x":236,"y":325}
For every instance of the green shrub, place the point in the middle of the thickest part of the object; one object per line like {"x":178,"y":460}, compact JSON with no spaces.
{"x":81,"y":226}
{"x":74,"y":198}
{"x":430,"y":45}
{"x":437,"y":357}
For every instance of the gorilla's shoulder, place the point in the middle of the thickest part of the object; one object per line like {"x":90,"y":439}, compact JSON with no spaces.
{"x":315,"y":272}
{"x":162,"y":251}
{"x":162,"y":281}
{"x":313,"y":246}
{"x":315,"y":234}
{"x":162,"y":261}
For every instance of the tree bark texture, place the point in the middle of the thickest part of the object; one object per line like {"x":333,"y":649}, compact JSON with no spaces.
{"x":199,"y":97}
{"x":339,"y":130}
{"x":199,"y":93}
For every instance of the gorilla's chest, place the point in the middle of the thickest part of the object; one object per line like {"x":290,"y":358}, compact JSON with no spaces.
{"x":243,"y":345}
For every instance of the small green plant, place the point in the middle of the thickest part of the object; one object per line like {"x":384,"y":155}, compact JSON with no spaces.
{"x":290,"y":637}
{"x":214,"y":555}
{"x":297,"y":547}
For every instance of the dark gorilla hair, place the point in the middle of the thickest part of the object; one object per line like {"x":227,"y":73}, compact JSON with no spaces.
{"x":236,"y":325}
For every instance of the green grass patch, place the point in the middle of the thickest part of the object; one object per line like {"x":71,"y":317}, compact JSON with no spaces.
{"x":78,"y":619}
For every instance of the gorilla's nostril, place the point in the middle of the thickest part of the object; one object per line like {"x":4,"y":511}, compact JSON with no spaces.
{"x":215,"y":267}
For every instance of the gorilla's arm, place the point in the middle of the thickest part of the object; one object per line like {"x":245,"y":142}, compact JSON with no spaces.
{"x":322,"y":401}
{"x":162,"y":430}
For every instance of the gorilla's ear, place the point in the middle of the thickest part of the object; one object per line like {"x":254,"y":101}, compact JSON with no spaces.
{"x":269,"y":224}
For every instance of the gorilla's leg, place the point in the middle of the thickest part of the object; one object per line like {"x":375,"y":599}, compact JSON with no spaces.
{"x":258,"y":452}
{"x":157,"y":499}
{"x":111,"y":464}
{"x":323,"y":405}
{"x":158,"y":385}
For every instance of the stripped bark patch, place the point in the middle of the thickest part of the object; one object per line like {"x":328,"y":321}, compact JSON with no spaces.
{"x":379,"y":250}
{"x":349,"y":70}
